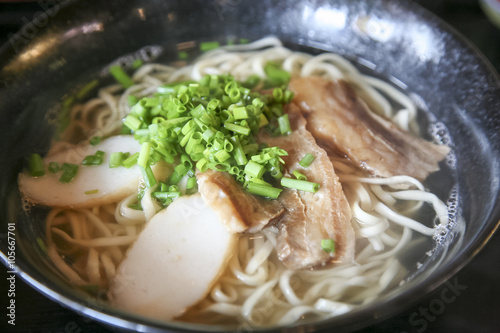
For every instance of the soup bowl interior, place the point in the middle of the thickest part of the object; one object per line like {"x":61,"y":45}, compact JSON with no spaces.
{"x":72,"y":44}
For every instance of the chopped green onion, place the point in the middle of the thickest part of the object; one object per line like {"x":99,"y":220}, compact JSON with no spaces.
{"x":252,"y":81}
{"x":276,"y":76}
{"x":237,"y":128}
{"x":41,"y":244}
{"x":302,"y":185}
{"x":181,"y":169}
{"x":263,"y":120}
{"x":328,"y":245}
{"x":91,"y":192}
{"x":299,"y":175}
{"x":86,"y":89}
{"x":54,"y":167}
{"x":115,"y":159}
{"x":142,"y":161}
{"x":149,"y":177}
{"x":284,"y":125}
{"x":120,"y":76}
{"x":276,"y":172}
{"x":94,"y":141}
{"x":88,"y":160}
{"x":219,"y":166}
{"x":251,"y":148}
{"x":36,"y":165}
{"x":136,"y":206}
{"x":260,"y":181}
{"x":95,"y":159}
{"x":222,"y":155}
{"x":137,"y":63}
{"x":69,"y":172}
{"x":207,"y":125}
{"x":264,"y":190}
{"x":287,"y":98}
{"x":307,"y":160}
{"x":132,"y":122}
{"x":63,"y":118}
{"x":202,"y":165}
{"x":206,"y":46}
{"x":132,"y":100}
{"x":182,"y":55}
{"x":240,"y":113}
{"x":191,"y":183}
{"x":130,"y":161}
{"x":125,"y":130}
{"x":167,"y":195}
{"x":278,"y":94}
{"x":254,"y":169}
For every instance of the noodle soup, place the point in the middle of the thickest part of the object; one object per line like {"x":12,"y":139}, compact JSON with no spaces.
{"x":397,"y":220}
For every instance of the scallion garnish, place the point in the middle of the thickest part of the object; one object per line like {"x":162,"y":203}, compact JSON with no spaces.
{"x":95,"y":159}
{"x":54,"y":167}
{"x":299,"y":175}
{"x":137,"y":63}
{"x":88,"y":160}
{"x":284,"y":125}
{"x":275,"y":75}
{"x":131,"y":160}
{"x":132,"y":100}
{"x":191,"y":183}
{"x":148,"y":176}
{"x":328,"y":245}
{"x":208,"y":125}
{"x":91,"y":192}
{"x":69,"y":172}
{"x":132,"y":122}
{"x":115,"y":159}
{"x":264,"y":190}
{"x":41,"y":244}
{"x":254,"y":170}
{"x":120,"y":76}
{"x":206,"y":46}
{"x":94,"y":141}
{"x":302,"y":185}
{"x":142,"y":161}
{"x":237,"y":129}
{"x":86,"y":89}
{"x":36,"y":165}
{"x":307,"y":160}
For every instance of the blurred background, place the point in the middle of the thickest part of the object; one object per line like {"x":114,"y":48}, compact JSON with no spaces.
{"x":468,"y":302}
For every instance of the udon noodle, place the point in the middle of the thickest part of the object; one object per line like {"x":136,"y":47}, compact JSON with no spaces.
{"x":87,"y":245}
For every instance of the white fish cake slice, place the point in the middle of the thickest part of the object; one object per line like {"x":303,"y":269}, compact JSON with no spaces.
{"x":112,"y":184}
{"x":175,"y":261}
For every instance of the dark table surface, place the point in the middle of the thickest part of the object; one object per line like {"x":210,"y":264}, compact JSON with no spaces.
{"x":476,"y":307}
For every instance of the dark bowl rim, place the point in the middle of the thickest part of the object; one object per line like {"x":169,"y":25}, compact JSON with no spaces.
{"x":412,"y":295}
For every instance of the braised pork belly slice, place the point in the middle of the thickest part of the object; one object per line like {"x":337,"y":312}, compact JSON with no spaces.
{"x":238,"y":210}
{"x":311,"y":217}
{"x":343,"y":123}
